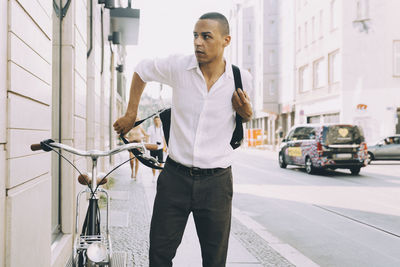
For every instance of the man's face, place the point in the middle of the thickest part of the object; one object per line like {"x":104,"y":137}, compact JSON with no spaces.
{"x":209,"y":42}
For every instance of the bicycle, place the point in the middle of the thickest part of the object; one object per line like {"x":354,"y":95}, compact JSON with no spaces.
{"x":93,"y":246}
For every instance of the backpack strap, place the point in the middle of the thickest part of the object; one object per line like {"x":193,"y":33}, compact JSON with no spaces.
{"x":237,"y":136}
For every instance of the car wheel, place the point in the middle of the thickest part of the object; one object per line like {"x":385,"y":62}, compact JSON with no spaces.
{"x":282,"y":161}
{"x":370,"y":157}
{"x":355,"y":170}
{"x":310,"y":169}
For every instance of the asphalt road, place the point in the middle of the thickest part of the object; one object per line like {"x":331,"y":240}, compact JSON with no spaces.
{"x":333,"y":218}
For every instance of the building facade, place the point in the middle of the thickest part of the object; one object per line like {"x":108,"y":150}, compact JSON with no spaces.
{"x":57,"y":80}
{"x":287,"y":66}
{"x":255,"y":47}
{"x":347,"y":64}
{"x":320,"y":61}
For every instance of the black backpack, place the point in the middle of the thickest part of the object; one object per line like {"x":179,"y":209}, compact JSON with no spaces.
{"x":237,"y":136}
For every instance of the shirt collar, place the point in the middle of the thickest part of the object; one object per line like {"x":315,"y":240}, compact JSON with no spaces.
{"x":193,"y":64}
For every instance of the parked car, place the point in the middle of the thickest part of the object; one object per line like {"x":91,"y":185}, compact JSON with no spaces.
{"x":387,"y":148}
{"x":319,"y":146}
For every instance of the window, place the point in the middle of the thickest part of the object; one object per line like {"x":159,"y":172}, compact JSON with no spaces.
{"x":331,"y":118}
{"x":305,"y":34}
{"x":272,"y":58}
{"x":334,"y":67}
{"x":303,"y":133}
{"x":272,"y":29}
{"x":290,"y":135}
{"x":396,"y":140}
{"x":299,"y":38}
{"x":321,"y":23}
{"x":396,"y":58}
{"x":272,"y":87}
{"x":334,"y":14}
{"x":362,"y":9}
{"x":314,"y":119}
{"x":358,"y":10}
{"x":304,"y":79}
{"x":319,"y":73}
{"x":313,"y":29}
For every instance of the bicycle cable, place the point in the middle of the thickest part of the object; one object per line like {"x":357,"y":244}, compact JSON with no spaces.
{"x":49,"y":147}
{"x":113,"y":170}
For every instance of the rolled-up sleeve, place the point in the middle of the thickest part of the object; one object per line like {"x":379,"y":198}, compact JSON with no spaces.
{"x":157,"y":70}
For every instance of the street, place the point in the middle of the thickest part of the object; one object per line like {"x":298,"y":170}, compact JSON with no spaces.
{"x":332,"y":218}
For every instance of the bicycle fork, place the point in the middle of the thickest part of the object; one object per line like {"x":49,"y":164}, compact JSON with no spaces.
{"x":91,"y":230}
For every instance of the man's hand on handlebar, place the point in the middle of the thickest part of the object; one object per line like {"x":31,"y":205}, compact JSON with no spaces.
{"x":124,"y":124}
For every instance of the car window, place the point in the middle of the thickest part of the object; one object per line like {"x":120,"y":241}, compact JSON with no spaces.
{"x":392,"y":140}
{"x":304,"y":133}
{"x":290,"y":135}
{"x":343,"y":134}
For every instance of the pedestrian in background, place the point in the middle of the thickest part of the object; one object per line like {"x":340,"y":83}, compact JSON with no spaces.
{"x":156,"y":136}
{"x":136,"y":135}
{"x":197,"y":176}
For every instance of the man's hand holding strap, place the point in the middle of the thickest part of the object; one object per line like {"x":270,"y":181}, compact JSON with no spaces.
{"x":242,"y":105}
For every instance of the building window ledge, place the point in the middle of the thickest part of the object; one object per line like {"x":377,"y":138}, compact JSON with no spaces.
{"x":61,"y":250}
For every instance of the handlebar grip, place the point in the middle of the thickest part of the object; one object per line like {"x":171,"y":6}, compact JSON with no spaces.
{"x":35,"y":147}
{"x":151,"y":146}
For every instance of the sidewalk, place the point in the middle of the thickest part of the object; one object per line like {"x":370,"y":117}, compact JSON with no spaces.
{"x":131,"y":207}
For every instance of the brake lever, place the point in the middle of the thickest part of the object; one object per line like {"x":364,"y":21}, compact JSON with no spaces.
{"x":146,"y":160}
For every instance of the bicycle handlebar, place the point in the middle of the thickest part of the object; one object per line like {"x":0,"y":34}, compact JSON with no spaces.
{"x":92,"y":153}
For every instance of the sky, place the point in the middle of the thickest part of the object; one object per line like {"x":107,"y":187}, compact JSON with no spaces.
{"x":166,"y":27}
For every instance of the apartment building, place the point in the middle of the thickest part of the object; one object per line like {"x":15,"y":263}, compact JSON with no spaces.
{"x":255,"y":47}
{"x":58,"y":80}
{"x":347,"y":64}
{"x":287,"y":66}
{"x":319,"y":37}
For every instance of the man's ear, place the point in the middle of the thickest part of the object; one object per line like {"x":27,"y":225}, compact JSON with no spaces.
{"x":227,"y":40}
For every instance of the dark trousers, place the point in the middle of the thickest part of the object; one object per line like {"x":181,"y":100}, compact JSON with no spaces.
{"x":209,"y":197}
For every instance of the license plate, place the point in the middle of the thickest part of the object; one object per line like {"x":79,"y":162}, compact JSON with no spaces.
{"x":343,"y":156}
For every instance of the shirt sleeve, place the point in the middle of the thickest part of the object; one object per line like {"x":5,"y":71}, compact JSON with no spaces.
{"x":157,"y":70}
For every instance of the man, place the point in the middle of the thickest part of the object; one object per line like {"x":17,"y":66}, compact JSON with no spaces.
{"x":157,"y":137}
{"x":197,"y":175}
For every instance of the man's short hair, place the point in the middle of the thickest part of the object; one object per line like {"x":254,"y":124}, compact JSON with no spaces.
{"x":223,"y":22}
{"x":156,"y":116}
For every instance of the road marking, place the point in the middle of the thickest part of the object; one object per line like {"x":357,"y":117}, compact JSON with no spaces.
{"x":358,"y":221}
{"x":290,"y":253}
{"x":362,"y":187}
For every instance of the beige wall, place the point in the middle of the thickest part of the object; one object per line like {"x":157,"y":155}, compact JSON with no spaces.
{"x":28,"y":95}
{"x":3,"y":119}
{"x":28,"y":180}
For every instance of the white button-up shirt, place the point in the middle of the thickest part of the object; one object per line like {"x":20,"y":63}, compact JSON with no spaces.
{"x":156,"y":136}
{"x":202,"y":121}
